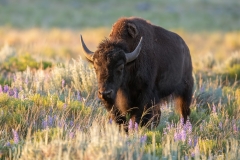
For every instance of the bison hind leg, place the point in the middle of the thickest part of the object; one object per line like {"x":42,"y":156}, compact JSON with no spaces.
{"x":183,"y":98}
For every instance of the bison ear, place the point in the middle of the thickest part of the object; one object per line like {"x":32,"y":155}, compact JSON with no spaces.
{"x":132,"y":30}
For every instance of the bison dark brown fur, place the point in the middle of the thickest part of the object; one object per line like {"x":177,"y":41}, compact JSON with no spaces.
{"x":161,"y":67}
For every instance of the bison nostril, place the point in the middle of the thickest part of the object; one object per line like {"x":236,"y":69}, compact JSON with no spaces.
{"x":106,"y":94}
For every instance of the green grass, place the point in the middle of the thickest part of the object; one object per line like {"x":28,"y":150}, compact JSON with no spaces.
{"x":188,"y":15}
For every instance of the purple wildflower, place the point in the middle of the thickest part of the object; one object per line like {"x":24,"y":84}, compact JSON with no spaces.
{"x":8,"y":144}
{"x":195,"y":141}
{"x":183,"y":135}
{"x":110,"y":121}
{"x":143,"y":139}
{"x":71,"y":135}
{"x":193,"y":154}
{"x":190,"y":141}
{"x":15,"y":136}
{"x":44,"y":124}
{"x":1,"y":89}
{"x":71,"y":123}
{"x":15,"y":93}
{"x":182,"y":121}
{"x":5,"y":88}
{"x":50,"y":121}
{"x":130,"y":124}
{"x":164,"y":131}
{"x":188,"y":127}
{"x":176,"y":136}
{"x":11,"y":92}
{"x":63,"y":83}
{"x":135,"y":126}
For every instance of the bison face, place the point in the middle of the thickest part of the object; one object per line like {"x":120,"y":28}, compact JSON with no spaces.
{"x":110,"y":69}
{"x":109,"y":62}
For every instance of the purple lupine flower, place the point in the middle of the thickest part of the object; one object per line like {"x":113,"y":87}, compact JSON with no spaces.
{"x":176,"y":136}
{"x":71,"y":135}
{"x":63,"y":83}
{"x":130,"y":124}
{"x":143,"y":139}
{"x":165,"y":131}
{"x":78,"y":96}
{"x":8,"y":144}
{"x":179,"y":136}
{"x":214,"y":110}
{"x":193,"y":154}
{"x":71,"y":123}
{"x":135,"y":126}
{"x":15,"y":93}
{"x":1,"y":89}
{"x":195,"y":141}
{"x":5,"y":88}
{"x":15,"y":136}
{"x":11,"y":92}
{"x":44,"y":124}
{"x":50,"y":121}
{"x":183,"y":135}
{"x":182,"y":121}
{"x":188,"y":127}
{"x":190,"y":141}
{"x":110,"y":121}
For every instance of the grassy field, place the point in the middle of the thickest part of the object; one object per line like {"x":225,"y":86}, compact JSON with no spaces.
{"x":48,"y":103}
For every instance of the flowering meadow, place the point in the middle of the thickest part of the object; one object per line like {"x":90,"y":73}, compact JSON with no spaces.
{"x":49,"y":107}
{"x":54,"y":113}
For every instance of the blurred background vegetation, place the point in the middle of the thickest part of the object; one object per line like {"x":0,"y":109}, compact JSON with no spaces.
{"x":51,"y":28}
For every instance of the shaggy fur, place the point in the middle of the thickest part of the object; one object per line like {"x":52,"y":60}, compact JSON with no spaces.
{"x":162,"y":68}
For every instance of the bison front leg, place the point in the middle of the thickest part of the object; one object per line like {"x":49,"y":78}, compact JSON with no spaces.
{"x":148,"y":116}
{"x":118,"y":117}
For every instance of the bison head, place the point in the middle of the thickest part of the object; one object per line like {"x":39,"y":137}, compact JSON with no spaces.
{"x":109,"y":61}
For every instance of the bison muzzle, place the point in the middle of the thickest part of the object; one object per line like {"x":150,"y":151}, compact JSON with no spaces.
{"x":137,"y":66}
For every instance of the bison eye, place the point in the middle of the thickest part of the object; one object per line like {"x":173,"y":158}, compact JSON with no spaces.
{"x":120,"y":68}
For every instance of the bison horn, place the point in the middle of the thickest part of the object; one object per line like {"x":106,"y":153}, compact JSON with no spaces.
{"x":134,"y":54}
{"x":87,"y":53}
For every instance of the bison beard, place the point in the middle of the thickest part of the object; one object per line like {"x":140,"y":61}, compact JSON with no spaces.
{"x":137,"y":66}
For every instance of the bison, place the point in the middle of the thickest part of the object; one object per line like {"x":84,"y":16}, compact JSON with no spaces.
{"x":137,"y":66}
